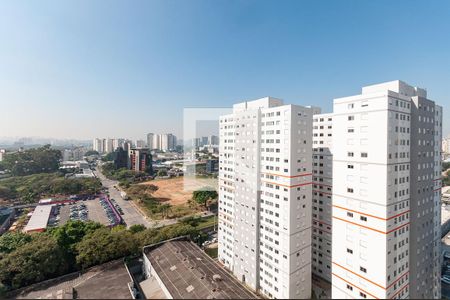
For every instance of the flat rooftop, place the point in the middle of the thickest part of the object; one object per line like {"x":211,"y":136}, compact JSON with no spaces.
{"x":189,"y":273}
{"x":107,"y":281}
{"x":39,"y":219}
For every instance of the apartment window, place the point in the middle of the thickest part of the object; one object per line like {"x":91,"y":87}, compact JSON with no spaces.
{"x":362,"y":269}
{"x":363,"y":218}
{"x":364,"y":154}
{"x":351,"y":105}
{"x":349,"y":190}
{"x":351,"y":118}
{"x":350,"y":166}
{"x":350,"y":154}
{"x":349,"y":214}
{"x":349,"y":287}
{"x":350,"y":130}
{"x":363,"y":295}
{"x":349,"y":251}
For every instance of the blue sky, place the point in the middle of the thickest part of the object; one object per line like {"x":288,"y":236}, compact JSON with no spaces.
{"x":80,"y":69}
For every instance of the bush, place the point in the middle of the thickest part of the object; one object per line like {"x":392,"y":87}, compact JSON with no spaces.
{"x":38,"y":260}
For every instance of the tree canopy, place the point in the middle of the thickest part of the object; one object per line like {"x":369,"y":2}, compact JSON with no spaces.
{"x":32,"y":161}
{"x":30,"y":188}
{"x":203,"y":196}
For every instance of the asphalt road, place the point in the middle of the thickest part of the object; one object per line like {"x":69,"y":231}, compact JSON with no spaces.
{"x":131,"y":215}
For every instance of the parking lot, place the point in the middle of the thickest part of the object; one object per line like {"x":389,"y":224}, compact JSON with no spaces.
{"x":96,"y":210}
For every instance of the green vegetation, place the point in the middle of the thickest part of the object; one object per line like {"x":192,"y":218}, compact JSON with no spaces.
{"x":108,"y":157}
{"x":26,"y":259}
{"x":91,"y":152}
{"x":32,"y":161}
{"x":162,"y":172}
{"x":204,"y":197}
{"x":213,"y":252}
{"x":123,"y":175}
{"x":32,"y":187}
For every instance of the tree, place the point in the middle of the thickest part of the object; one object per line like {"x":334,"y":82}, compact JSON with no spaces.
{"x":73,"y":232}
{"x":32,"y":161}
{"x":38,"y":260}
{"x":11,"y":241}
{"x":136,"y":228}
{"x":202,"y":196}
{"x":162,"y":173}
{"x":91,"y":152}
{"x":103,"y":245}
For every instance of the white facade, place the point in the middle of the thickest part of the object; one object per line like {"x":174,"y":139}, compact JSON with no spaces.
{"x":265,"y":179}
{"x":108,"y":145}
{"x":322,"y":195}
{"x":384,"y":229}
{"x":2,"y":154}
{"x":150,"y":137}
{"x":98,"y":145}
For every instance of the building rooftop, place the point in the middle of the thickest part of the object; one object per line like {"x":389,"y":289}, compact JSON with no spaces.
{"x":107,"y":281}
{"x":189,"y":273}
{"x":39,"y":219}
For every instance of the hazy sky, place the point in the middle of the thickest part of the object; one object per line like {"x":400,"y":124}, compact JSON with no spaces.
{"x":80,"y":69}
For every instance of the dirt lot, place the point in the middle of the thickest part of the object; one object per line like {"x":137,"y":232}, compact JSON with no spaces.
{"x":178,"y":190}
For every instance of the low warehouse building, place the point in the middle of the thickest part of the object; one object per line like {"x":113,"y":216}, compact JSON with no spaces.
{"x":179,"y":269}
{"x":39,"y":219}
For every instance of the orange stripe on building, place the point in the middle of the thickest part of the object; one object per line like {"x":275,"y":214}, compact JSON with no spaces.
{"x":397,"y":279}
{"x":395,"y":295}
{"x":370,"y":228}
{"x":354,"y":285}
{"x":368,"y":280}
{"x":380,"y":218}
{"x":287,"y":176}
{"x":322,"y":192}
{"x":288,"y":186}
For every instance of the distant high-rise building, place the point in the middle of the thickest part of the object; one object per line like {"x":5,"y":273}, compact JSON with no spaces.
{"x":120,"y":158}
{"x":213,"y":140}
{"x":140,"y":143}
{"x":150,"y":137}
{"x":203,"y":141}
{"x":140,"y":160}
{"x":2,"y":154}
{"x":117,"y":143}
{"x":386,"y":194}
{"x":157,"y":141}
{"x":265,"y":179}
{"x":97,"y":145}
{"x":108,"y":145}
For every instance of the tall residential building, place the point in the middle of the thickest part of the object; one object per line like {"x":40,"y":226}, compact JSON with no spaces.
{"x":140,"y":160}
{"x":140,"y":144}
{"x":157,"y":141}
{"x":322,"y":194}
{"x":118,"y":143}
{"x":167,"y":142}
{"x":150,"y":141}
{"x":97,"y":145}
{"x":108,"y":144}
{"x":386,"y":194}
{"x":213,"y":140}
{"x":265,"y":178}
{"x":2,"y":154}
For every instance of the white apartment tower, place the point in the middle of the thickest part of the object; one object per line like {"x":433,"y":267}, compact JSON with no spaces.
{"x":386,"y":194}
{"x":322,"y":194}
{"x":265,"y":182}
{"x":150,"y":137}
{"x":98,"y":145}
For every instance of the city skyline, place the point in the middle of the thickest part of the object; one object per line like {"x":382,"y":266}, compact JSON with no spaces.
{"x":125,"y":71}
